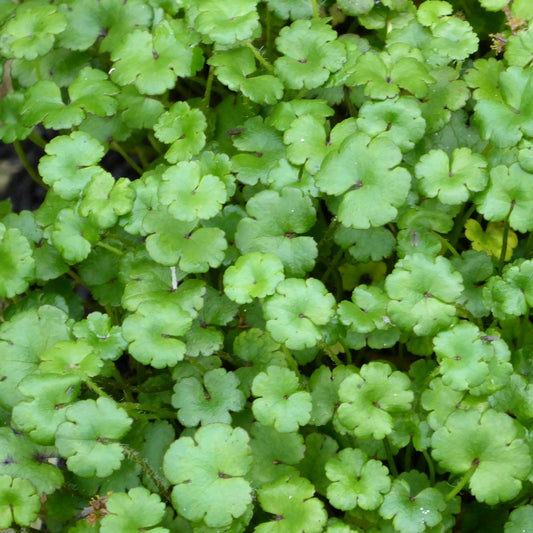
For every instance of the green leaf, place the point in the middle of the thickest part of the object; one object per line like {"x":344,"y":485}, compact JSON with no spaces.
{"x":386,"y":73}
{"x":422,"y":292}
{"x":451,"y":180}
{"x":155,"y":333}
{"x":70,"y":163}
{"x":263,"y":147}
{"x":490,"y":241}
{"x":453,"y":38}
{"x":275,"y":219}
{"x":254,"y":275}
{"x":226,"y":23}
{"x":184,"y":129}
{"x":399,"y":120}
{"x":465,"y":369}
{"x":73,"y":236}
{"x":236,"y":68}
{"x":279,"y":402}
{"x":372,"y":188}
{"x":310,"y":53}
{"x":19,"y":502}
{"x":87,"y":438}
{"x":153,"y":61}
{"x":23,"y":339}
{"x":104,"y":199}
{"x":172,"y":242}
{"x":208,"y":402}
{"x":71,"y":357}
{"x":31,"y":32}
{"x":189,"y":193}
{"x":50,"y":394}
{"x":17,"y":266}
{"x":356,"y":480}
{"x":296,"y":9}
{"x":105,"y":339}
{"x":509,"y":196}
{"x":11,"y":127}
{"x":412,"y":504}
{"x":133,"y":512}
{"x":273,"y":453}
{"x":506,"y":114}
{"x":21,"y":458}
{"x":370,"y":398}
{"x":208,"y":473}
{"x":520,"y":519}
{"x":295,"y":313}
{"x":371,"y":244}
{"x":490,"y":448}
{"x":291,"y":500}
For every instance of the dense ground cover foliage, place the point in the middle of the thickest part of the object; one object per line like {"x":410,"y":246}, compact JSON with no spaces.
{"x":305,"y":306}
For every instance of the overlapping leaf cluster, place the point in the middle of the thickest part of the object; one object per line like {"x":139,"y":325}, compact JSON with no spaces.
{"x":302,"y":304}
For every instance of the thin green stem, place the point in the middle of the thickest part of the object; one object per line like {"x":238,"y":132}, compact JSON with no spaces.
{"x":208,"y":88}
{"x":27,"y":165}
{"x":332,"y":265}
{"x":446,"y":243}
{"x":316,"y":11}
{"x":35,"y":138}
{"x":462,"y":483}
{"x":505,"y":239}
{"x":293,"y":365}
{"x":258,"y":56}
{"x":333,"y":225}
{"x":116,"y":251}
{"x":457,"y":231}
{"x":114,"y":145}
{"x":138,"y":459}
{"x":431,"y":466}
{"x":390,"y":457}
{"x":135,"y":409}
{"x":156,"y":145}
{"x":95,"y":388}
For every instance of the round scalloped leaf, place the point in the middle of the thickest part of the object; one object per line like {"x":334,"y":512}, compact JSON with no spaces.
{"x":154,"y":60}
{"x":225,"y":23}
{"x":208,"y":473}
{"x":177,"y":243}
{"x":490,"y":240}
{"x":105,"y":340}
{"x":423,"y":291}
{"x":71,"y":357}
{"x":87,"y":437}
{"x":275,"y":219}
{"x":23,"y":339}
{"x":451,"y":181}
{"x":210,"y":401}
{"x":356,"y":480}
{"x":17,"y":266}
{"x":465,"y":369}
{"x":50,"y":394}
{"x":366,"y":171}
{"x":104,"y":199}
{"x":290,"y":500}
{"x":19,"y":502}
{"x":70,"y":163}
{"x":155,"y":333}
{"x":234,"y":68}
{"x":190,"y":194}
{"x":31,"y":32}
{"x":371,"y":398}
{"x":184,"y":129}
{"x":11,"y":128}
{"x":520,"y":520}
{"x":72,"y":236}
{"x":279,"y":401}
{"x":454,"y":38}
{"x":310,"y":51}
{"x":294,"y":313}
{"x":135,"y":511}
{"x":21,"y":458}
{"x":490,"y":447}
{"x":432,"y":11}
{"x":412,"y":505}
{"x":509,"y":195}
{"x":254,"y":275}
{"x":399,"y":120}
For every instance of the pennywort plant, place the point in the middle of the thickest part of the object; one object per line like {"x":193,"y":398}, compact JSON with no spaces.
{"x":301,"y":302}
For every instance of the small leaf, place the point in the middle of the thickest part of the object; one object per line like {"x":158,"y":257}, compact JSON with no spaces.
{"x":19,"y":503}
{"x":279,"y":403}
